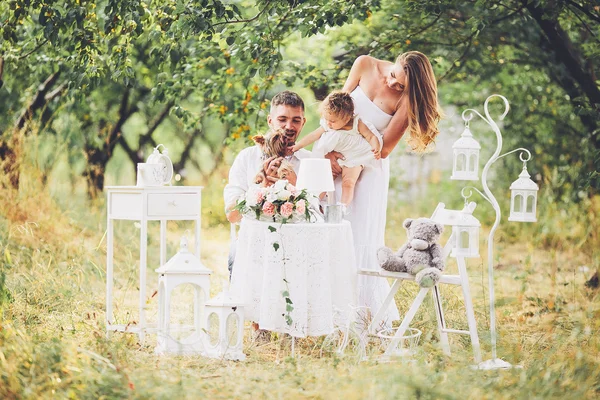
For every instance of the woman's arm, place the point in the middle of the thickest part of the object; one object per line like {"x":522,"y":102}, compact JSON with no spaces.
{"x":396,"y":128}
{"x":359,"y":66}
{"x":308,"y":139}
{"x":371,"y":138}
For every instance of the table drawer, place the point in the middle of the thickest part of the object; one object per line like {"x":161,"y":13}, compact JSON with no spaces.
{"x":125,"y":205}
{"x":186,"y":204}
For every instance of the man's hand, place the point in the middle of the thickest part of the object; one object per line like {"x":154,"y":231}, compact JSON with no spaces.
{"x":333,"y":157}
{"x":233,"y":216}
{"x":271,"y":165}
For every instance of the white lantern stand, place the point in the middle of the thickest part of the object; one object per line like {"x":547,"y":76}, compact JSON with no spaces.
{"x":495,"y":362}
{"x":523,"y":199}
{"x":466,"y":233}
{"x":225,"y":326}
{"x":466,"y":156}
{"x":183,"y":268}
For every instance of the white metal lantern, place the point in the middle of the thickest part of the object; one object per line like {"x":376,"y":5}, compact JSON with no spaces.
{"x":225,"y":327}
{"x":466,"y":157}
{"x":183,"y":268}
{"x":465,"y":228}
{"x":523,"y":199}
{"x":466,"y":233}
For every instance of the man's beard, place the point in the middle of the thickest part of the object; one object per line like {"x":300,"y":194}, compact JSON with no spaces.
{"x":290,"y":137}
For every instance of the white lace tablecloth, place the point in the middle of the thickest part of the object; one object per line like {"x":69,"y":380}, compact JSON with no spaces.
{"x":317,"y":261}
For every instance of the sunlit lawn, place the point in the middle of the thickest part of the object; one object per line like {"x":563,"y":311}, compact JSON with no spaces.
{"x":53,"y":343}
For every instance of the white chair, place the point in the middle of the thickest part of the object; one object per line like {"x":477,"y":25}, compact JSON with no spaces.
{"x":442,"y":216}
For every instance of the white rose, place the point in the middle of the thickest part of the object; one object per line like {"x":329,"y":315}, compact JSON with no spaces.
{"x":280,"y":185}
{"x":284,"y":194}
{"x":251,"y":196}
{"x":271,"y":197}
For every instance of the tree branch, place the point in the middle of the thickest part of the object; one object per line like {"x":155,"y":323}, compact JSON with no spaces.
{"x":569,"y":57}
{"x":39,"y":46}
{"x":37,"y":102}
{"x":584,"y":10}
{"x":238,"y":21}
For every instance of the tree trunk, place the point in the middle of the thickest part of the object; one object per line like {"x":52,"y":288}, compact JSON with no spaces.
{"x":98,"y":158}
{"x":10,"y":149}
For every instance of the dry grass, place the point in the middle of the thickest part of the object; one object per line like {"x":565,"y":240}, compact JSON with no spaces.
{"x":53,"y":342}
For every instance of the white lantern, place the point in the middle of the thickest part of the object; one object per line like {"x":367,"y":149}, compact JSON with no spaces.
{"x":523,"y":199}
{"x":225,"y":327}
{"x":466,"y":157}
{"x":182,"y":268}
{"x":465,"y":228}
{"x":466,"y":233}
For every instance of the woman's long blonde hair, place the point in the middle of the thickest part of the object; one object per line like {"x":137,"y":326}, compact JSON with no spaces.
{"x":423,"y":109}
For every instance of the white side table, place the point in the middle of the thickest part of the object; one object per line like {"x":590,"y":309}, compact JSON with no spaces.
{"x":143,"y":204}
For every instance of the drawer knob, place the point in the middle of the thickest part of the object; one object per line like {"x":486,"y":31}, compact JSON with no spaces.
{"x":172,"y":203}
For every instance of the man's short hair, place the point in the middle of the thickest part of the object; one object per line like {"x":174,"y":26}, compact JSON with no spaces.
{"x":287,"y":98}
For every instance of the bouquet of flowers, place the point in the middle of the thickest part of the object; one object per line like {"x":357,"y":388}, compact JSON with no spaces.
{"x":281,"y":202}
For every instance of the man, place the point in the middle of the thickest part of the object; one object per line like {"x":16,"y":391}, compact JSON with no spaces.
{"x":287,"y":113}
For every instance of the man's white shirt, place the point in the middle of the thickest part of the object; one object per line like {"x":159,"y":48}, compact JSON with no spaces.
{"x":244,"y":169}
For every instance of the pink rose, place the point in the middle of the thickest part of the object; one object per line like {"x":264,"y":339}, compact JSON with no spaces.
{"x":268,"y":209}
{"x":301,"y":207}
{"x":292,"y":189}
{"x":287,"y":209}
{"x":259,"y":196}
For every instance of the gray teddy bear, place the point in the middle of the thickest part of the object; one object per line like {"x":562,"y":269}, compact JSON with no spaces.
{"x":421,"y":256}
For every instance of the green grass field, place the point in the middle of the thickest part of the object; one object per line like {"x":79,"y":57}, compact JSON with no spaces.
{"x":53,"y":342}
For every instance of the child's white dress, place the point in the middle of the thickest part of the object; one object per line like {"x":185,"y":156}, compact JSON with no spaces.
{"x":355,"y":148}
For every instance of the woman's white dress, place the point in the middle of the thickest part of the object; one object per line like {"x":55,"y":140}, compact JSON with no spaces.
{"x":367,"y":213}
{"x":355,"y":148}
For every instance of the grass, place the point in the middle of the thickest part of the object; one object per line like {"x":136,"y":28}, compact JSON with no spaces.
{"x":53,"y":342}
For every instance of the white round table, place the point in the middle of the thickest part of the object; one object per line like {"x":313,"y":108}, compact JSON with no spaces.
{"x":315,"y":259}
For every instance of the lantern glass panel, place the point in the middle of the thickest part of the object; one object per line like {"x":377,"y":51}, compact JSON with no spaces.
{"x":518,"y":203}
{"x":461,"y":162}
{"x":213,"y":328}
{"x":530,"y":201}
{"x":181,"y":321}
{"x":232,"y":329}
{"x":473,"y":162}
{"x":463,"y":242}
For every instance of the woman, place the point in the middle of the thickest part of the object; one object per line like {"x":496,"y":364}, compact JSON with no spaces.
{"x":396,"y":98}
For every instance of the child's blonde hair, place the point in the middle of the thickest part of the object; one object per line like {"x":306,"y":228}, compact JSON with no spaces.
{"x":338,"y":103}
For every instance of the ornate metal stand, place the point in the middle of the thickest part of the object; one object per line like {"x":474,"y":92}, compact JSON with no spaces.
{"x":494,"y":362}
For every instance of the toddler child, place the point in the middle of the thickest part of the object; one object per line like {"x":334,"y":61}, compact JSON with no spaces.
{"x":342,"y":131}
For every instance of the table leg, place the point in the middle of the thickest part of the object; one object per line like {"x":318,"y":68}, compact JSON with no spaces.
{"x":109,"y":274}
{"x":143,"y":268}
{"x":163,"y":242}
{"x":197,"y":238}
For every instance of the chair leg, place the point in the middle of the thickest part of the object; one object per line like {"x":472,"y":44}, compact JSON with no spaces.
{"x":406,"y":321}
{"x":464,"y":278}
{"x":439,"y":314}
{"x":383,"y":309}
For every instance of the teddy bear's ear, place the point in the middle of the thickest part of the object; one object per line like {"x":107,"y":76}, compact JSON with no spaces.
{"x":407,"y":222}
{"x":259,"y":139}
{"x":439,"y":227}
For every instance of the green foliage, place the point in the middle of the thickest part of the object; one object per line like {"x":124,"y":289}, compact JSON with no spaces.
{"x":484,"y":47}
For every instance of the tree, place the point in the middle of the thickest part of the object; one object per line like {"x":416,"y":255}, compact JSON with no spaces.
{"x":542,"y":55}
{"x":119,"y":58}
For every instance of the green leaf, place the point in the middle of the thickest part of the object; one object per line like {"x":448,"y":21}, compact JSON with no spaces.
{"x":288,"y":300}
{"x":272,"y":228}
{"x":276,"y":246}
{"x":285,"y":293}
{"x":289,"y":308}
